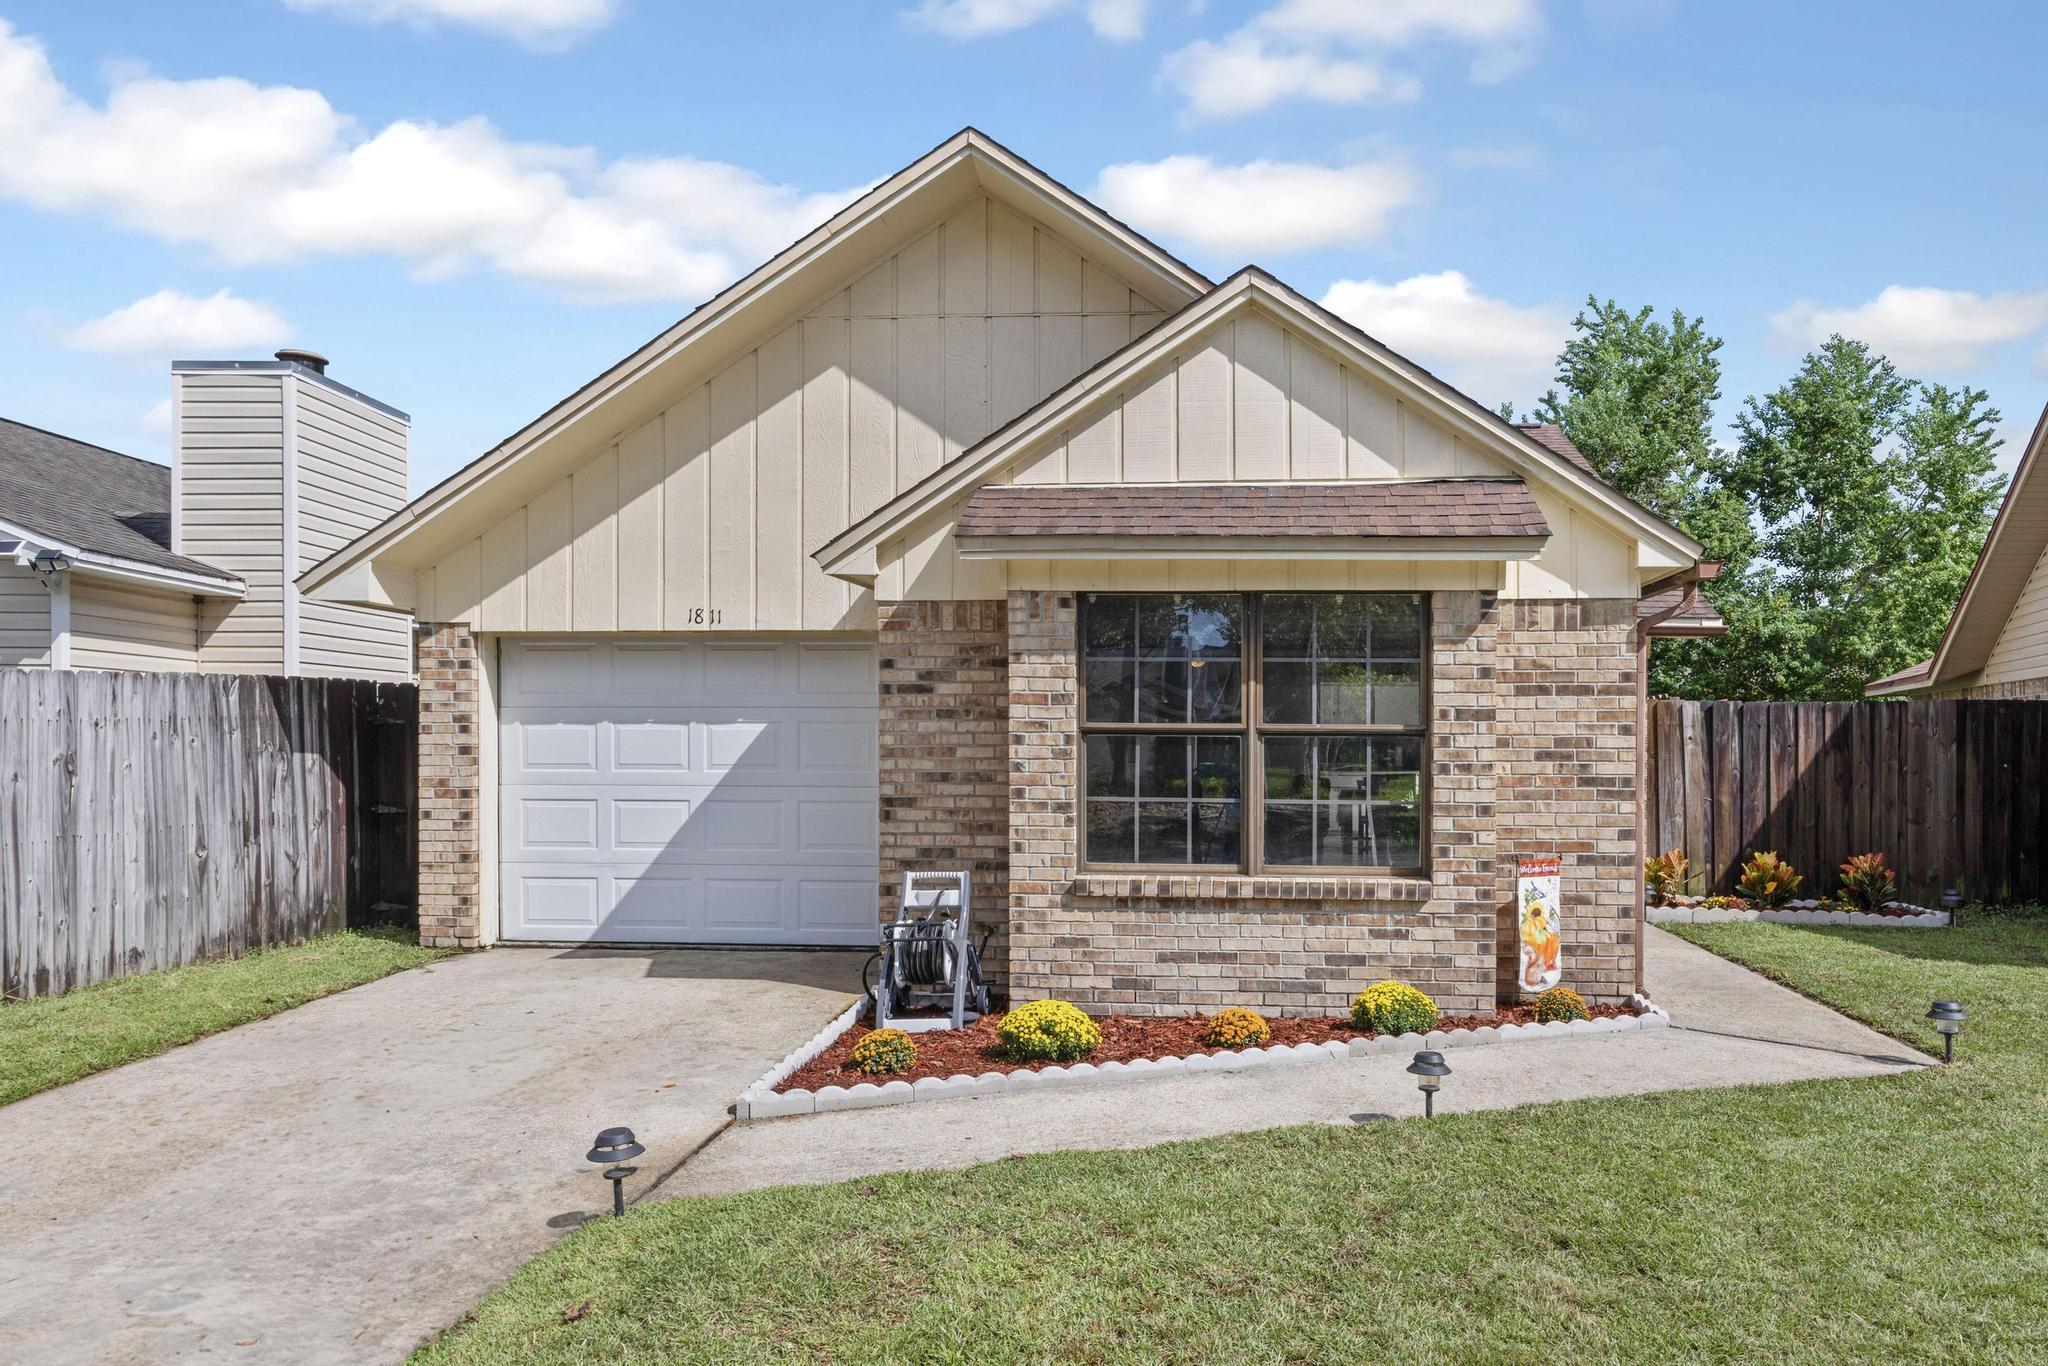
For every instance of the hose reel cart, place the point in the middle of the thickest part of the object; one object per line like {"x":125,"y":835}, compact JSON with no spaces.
{"x":929,"y":958}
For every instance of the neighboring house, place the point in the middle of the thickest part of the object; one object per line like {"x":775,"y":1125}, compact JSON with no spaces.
{"x":1996,"y":644}
{"x":1237,"y":655}
{"x":110,"y":562}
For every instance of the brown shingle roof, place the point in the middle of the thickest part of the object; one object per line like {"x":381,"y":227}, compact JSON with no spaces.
{"x":1550,"y":435}
{"x":1424,"y":508}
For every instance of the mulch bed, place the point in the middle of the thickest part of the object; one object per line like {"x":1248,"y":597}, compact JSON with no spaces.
{"x":1893,"y":911}
{"x":1125,"y":1038}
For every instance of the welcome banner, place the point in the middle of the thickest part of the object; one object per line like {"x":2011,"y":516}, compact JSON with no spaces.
{"x":1537,"y":881}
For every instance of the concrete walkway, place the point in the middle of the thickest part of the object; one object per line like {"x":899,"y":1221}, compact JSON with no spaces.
{"x":1731,"y":1028}
{"x":341,"y":1181}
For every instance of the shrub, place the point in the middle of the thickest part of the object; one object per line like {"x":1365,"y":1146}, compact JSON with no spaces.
{"x":1393,"y":1008}
{"x":1668,"y":874}
{"x":1236,"y":1028}
{"x":1561,"y":1003}
{"x":1768,"y":879}
{"x":1048,"y":1031}
{"x":1725,"y":903}
{"x":882,"y":1051}
{"x":1867,"y":882}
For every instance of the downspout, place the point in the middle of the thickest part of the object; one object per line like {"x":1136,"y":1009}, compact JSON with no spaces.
{"x":1645,"y":627}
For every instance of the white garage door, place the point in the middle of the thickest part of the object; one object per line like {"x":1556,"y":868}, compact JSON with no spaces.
{"x":688,"y":791}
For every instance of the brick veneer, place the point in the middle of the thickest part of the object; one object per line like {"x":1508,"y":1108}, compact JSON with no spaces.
{"x":2014,"y":690}
{"x":944,"y":736}
{"x":449,"y":787}
{"x":1532,"y":726}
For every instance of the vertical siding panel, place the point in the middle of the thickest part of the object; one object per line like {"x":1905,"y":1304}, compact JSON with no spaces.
{"x":826,"y":463}
{"x":504,"y":575}
{"x":1316,"y":427}
{"x":920,"y":398}
{"x":1102,"y":333}
{"x":1059,"y":351}
{"x":685,"y":510}
{"x":778,"y":536}
{"x":547,"y":583}
{"x":732,"y":494}
{"x":641,"y":471}
{"x":1148,"y":435}
{"x":1010,"y":266}
{"x":1372,"y":429}
{"x":1431,"y":452}
{"x":1102,"y":292}
{"x":1049,"y":466}
{"x":873,"y":414}
{"x":1204,"y":422}
{"x":1092,"y":452}
{"x":966,"y":260}
{"x":917,"y":278}
{"x":874,"y":294}
{"x":966,"y":341}
{"x":1260,"y":400}
{"x":1013,"y":368}
{"x":1059,"y":276}
{"x":594,"y":577}
{"x":456,"y":580}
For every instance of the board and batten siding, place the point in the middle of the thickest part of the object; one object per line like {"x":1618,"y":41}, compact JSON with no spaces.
{"x":705,"y":517}
{"x":352,"y":472}
{"x":230,"y":489}
{"x":2021,"y":650}
{"x":24,"y":617}
{"x":1254,"y":401}
{"x":127,"y":626}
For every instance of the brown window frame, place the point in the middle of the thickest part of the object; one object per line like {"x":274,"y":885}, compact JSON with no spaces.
{"x":1249,"y":731}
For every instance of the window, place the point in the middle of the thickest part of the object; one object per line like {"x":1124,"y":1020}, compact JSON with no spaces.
{"x":1312,"y":703}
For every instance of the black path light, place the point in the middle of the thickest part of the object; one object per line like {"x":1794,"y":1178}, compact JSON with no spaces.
{"x":615,"y":1146}
{"x":1951,"y":900}
{"x":1948,"y":1020}
{"x":1429,"y":1069}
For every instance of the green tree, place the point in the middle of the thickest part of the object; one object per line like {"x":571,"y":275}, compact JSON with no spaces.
{"x":1849,"y":515}
{"x":1637,"y":396}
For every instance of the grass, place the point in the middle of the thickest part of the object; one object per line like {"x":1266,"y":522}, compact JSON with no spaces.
{"x":49,"y":1041}
{"x":1888,"y":1219}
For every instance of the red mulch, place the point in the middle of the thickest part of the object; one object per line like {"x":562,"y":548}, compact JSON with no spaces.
{"x":1125,"y":1038}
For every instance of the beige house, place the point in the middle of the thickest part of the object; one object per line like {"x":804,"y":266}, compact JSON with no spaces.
{"x":1996,"y":645}
{"x":1238,"y":656}
{"x":110,"y":562}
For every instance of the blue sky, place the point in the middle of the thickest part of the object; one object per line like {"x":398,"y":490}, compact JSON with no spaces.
{"x":475,"y":205}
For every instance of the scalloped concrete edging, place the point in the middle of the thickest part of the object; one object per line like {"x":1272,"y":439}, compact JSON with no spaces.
{"x":1802,"y":913}
{"x":760,"y":1101}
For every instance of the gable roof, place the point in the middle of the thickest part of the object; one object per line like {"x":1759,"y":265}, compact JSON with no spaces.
{"x":2015,"y":544}
{"x":1550,"y":435}
{"x":103,"y":509}
{"x":885,"y":218}
{"x":851,"y":554}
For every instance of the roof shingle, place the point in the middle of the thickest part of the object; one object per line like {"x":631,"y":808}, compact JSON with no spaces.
{"x":1422,"y":508}
{"x":89,"y":497}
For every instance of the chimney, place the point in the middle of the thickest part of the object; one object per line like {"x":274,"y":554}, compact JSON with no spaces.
{"x":275,"y":466}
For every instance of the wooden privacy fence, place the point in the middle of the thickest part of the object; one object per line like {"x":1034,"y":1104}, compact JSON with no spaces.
{"x":1950,"y":791}
{"x":150,"y":820}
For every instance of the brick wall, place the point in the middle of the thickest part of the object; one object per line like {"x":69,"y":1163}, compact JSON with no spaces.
{"x":1533,"y":719}
{"x":944,"y":735}
{"x":2013,"y":690}
{"x":449,"y":787}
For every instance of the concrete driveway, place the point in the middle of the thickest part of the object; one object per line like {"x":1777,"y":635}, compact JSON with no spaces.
{"x":338,"y":1182}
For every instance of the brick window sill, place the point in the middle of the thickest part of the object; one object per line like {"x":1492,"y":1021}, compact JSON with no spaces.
{"x":1225,"y":887}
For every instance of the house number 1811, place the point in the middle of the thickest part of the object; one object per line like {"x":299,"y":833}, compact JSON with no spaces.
{"x":702,"y":617}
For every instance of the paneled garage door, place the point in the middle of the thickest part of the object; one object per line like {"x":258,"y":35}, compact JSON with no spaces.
{"x":696,"y":791}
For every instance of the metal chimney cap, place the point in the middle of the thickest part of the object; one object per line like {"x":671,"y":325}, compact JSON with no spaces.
{"x":312,"y":360}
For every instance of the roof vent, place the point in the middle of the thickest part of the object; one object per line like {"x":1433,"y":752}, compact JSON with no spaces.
{"x":312,"y":360}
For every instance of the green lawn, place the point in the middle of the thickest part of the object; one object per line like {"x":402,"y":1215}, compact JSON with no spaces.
{"x":1901,"y":1218}
{"x":47,"y":1042}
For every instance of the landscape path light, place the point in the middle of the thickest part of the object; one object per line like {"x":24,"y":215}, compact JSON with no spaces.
{"x":1429,"y":1070}
{"x":1948,"y":1020}
{"x":1951,"y":900}
{"x":616,"y":1146}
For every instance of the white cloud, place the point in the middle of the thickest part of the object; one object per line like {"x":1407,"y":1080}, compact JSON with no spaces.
{"x":1339,"y":52}
{"x":1917,"y":327}
{"x":537,"y":23}
{"x":168,"y":323}
{"x":1118,"y":20}
{"x":264,"y":174}
{"x":1488,"y":348}
{"x":1262,"y":206}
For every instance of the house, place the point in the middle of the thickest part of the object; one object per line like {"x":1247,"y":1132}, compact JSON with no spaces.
{"x":1238,"y":656}
{"x":110,"y":562}
{"x":1996,"y":644}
